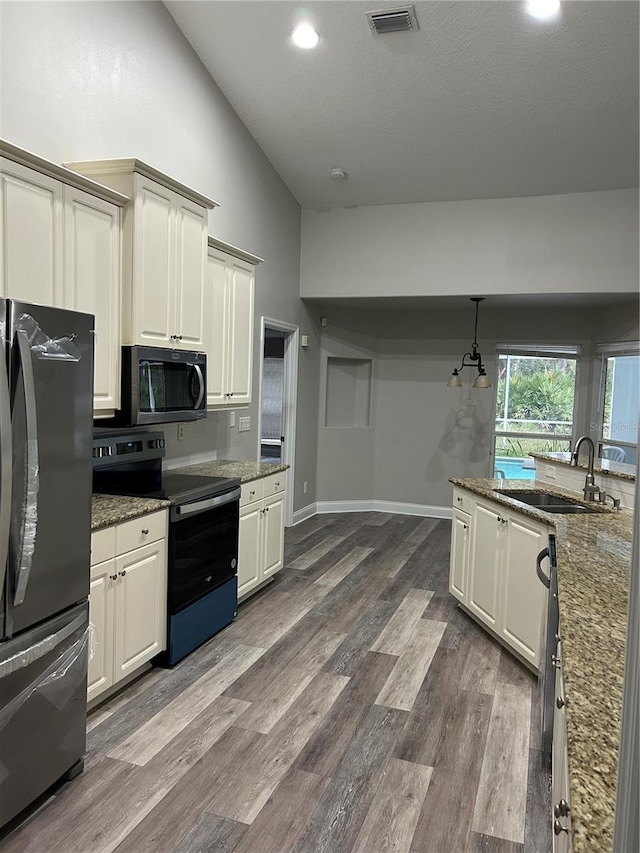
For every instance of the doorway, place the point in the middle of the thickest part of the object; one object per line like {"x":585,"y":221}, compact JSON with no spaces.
{"x":278,"y":394}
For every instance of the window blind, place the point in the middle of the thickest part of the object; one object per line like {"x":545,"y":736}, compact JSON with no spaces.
{"x":540,"y":350}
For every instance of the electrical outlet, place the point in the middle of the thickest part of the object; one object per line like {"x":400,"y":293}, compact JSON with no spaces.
{"x":232,"y":419}
{"x":180,"y":432}
{"x":550,"y":472}
{"x":305,"y":486}
{"x":244,"y":424}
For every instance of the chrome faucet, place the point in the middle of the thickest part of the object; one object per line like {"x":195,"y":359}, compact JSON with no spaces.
{"x":591,"y":492}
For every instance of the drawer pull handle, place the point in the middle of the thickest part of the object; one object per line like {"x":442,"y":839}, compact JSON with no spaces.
{"x":122,"y":573}
{"x":145,"y":531}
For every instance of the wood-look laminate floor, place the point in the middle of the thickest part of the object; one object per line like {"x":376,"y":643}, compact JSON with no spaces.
{"x":351,"y":708}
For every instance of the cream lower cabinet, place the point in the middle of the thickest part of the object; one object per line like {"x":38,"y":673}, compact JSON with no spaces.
{"x":127,"y":600}
{"x":61,"y":247}
{"x":229,"y":325}
{"x":261,"y":538}
{"x":560,"y":798}
{"x":493,"y":572}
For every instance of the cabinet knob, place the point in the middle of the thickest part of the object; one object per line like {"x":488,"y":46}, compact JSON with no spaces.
{"x":231,"y":394}
{"x":498,"y":518}
{"x":555,"y":661}
{"x":122,"y":573}
{"x":465,"y":526}
{"x":179,"y":337}
{"x":266,"y":509}
{"x":561,"y":809}
{"x":113,"y":577}
{"x":145,"y":531}
{"x":560,"y":703}
{"x":277,"y":485}
{"x":459,"y":499}
{"x":558,"y":827}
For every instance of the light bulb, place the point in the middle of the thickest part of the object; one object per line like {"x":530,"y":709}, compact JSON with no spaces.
{"x":543,"y":10}
{"x":305,"y":36}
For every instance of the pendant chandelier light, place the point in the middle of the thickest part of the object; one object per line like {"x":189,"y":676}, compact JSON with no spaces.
{"x":475,"y":359}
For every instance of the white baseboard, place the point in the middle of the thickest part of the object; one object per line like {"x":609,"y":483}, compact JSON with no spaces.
{"x":396,"y":507}
{"x":304,"y":513}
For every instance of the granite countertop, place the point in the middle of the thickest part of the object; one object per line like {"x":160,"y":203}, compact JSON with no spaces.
{"x":246,"y":471}
{"x":107,"y":510}
{"x":594,"y":555}
{"x":600,"y":466}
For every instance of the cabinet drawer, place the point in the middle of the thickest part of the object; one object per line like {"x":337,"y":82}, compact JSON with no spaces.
{"x":103,"y":545}
{"x":252,"y":491}
{"x":462,"y":500}
{"x":141,"y":531}
{"x":275,"y":483}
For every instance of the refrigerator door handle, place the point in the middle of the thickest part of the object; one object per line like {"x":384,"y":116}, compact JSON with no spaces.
{"x":41,"y":648}
{"x":29,"y":527}
{"x":6,"y":461}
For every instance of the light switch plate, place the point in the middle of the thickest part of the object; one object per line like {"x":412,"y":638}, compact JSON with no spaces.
{"x":550,"y":472}
{"x":180,"y":432}
{"x":232,"y":419}
{"x":244,"y":424}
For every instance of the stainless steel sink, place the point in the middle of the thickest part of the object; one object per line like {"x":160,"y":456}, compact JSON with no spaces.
{"x":547,"y":502}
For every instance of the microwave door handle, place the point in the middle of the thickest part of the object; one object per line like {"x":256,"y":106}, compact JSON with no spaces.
{"x":543,"y":578}
{"x":6,"y":462}
{"x":29,"y":524}
{"x":198,"y":371}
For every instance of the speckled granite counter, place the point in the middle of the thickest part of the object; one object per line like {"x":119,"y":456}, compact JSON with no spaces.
{"x":600,"y":466}
{"x":107,"y":510}
{"x":594,"y":554}
{"x":246,"y":471}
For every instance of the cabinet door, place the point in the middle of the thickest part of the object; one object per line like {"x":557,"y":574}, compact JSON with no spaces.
{"x":523,"y":596}
{"x":459,"y":554}
{"x":191,"y":252}
{"x":216,"y":327}
{"x":154,"y":264}
{"x":273,"y":523}
{"x":560,"y":769}
{"x":249,"y":548}
{"x":101,"y":590}
{"x":141,"y":607}
{"x":92,"y":274}
{"x":31,"y":236}
{"x":484,"y":564}
{"x":241,"y":330}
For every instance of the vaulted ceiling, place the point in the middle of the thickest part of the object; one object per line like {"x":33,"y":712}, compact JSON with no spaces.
{"x":482,"y":101}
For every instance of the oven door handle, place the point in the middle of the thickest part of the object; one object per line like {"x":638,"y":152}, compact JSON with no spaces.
{"x":198,"y":371}
{"x":210,"y":503}
{"x":543,"y":578}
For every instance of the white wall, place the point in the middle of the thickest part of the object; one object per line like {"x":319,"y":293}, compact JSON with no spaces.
{"x":581,"y":243}
{"x":87,"y":80}
{"x":423,"y":432}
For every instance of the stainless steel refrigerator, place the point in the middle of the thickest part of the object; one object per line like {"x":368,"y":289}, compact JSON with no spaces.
{"x":46,"y":406}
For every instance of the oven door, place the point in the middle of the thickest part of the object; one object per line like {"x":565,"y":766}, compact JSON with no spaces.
{"x":203,"y":547}
{"x":165,"y":385}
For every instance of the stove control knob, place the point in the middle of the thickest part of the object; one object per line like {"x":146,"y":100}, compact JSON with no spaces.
{"x":101,"y":451}
{"x":156,"y":443}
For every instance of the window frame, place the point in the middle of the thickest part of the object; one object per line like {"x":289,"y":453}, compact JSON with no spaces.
{"x":573,"y":351}
{"x":605,"y":351}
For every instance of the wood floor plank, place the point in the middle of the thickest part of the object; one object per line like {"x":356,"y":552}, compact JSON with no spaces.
{"x":502,"y":791}
{"x":329,"y":743}
{"x":481,"y":669}
{"x":172,"y":817}
{"x":282,"y":692}
{"x":393,"y":815}
{"x":364,"y":631}
{"x":285,"y":814}
{"x":243,"y":793}
{"x":212,"y":834}
{"x":395,"y":636}
{"x":380,"y":519}
{"x":405,"y":680}
{"x":422,"y":532}
{"x":306,"y":560}
{"x":489,"y":844}
{"x":342,"y":808}
{"x":338,"y":572}
{"x":156,"y":733}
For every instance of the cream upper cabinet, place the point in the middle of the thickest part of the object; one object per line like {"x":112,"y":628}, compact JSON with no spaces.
{"x":493,"y":572}
{"x":92,"y":264}
{"x":229,"y":325}
{"x":164,"y":254}
{"x":32,"y":236}
{"x":61,"y":247}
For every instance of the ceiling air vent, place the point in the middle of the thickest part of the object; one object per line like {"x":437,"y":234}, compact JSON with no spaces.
{"x":400,"y":20}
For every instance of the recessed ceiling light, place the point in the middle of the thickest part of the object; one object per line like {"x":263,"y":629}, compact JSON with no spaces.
{"x":304,"y":36}
{"x":543,"y":10}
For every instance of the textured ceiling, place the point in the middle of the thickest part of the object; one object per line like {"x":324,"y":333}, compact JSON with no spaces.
{"x":481,"y":102}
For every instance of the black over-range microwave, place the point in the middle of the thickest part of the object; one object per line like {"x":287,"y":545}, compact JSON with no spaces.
{"x":162,"y":385}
